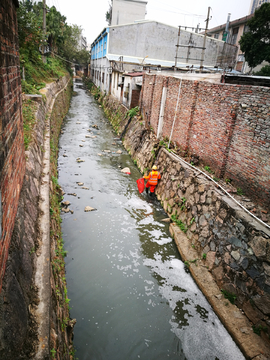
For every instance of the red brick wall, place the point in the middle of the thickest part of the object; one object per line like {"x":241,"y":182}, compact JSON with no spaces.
{"x":226,"y":125}
{"x":12,"y":156}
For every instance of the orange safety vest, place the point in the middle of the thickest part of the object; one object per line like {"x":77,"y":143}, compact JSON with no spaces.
{"x":153,"y":177}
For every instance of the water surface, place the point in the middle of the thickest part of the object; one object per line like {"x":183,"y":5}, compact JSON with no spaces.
{"x":129,"y":291}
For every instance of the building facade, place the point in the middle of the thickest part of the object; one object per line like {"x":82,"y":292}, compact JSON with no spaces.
{"x":127,"y":11}
{"x":236,"y":29}
{"x":255,"y":4}
{"x":121,"y":50}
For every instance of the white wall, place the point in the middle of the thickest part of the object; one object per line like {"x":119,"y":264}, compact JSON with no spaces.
{"x":127,"y":11}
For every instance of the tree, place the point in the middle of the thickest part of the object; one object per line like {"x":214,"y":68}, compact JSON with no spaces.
{"x":256,"y":42}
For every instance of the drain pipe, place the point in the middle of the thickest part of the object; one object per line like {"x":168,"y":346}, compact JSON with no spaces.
{"x":217,"y":184}
{"x":179,"y":91}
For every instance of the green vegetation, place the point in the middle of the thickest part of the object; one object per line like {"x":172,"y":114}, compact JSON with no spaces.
{"x":28,"y":109}
{"x":204,"y":256}
{"x":230,"y":296}
{"x":133,"y":112}
{"x":265,"y":71}
{"x":53,"y":353}
{"x":240,"y":191}
{"x":179,"y":223}
{"x":208,"y":169}
{"x":255,"y":42}
{"x":228,"y":181}
{"x":183,"y":203}
{"x":258,"y":329}
{"x":61,"y":42}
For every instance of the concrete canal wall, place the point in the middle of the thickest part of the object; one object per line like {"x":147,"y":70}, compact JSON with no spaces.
{"x":216,"y":236}
{"x":34,"y":316}
{"x":226,"y":126}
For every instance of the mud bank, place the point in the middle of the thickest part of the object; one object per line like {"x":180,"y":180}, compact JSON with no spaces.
{"x":223,"y":246}
{"x":29,"y":309}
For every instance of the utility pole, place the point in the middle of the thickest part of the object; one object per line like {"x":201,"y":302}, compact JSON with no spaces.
{"x":204,"y":39}
{"x":44,"y":31}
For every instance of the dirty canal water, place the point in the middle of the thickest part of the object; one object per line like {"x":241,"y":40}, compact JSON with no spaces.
{"x":129,"y":291}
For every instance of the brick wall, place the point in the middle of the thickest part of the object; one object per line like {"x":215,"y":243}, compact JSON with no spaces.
{"x":226,"y":125}
{"x":12,"y":158}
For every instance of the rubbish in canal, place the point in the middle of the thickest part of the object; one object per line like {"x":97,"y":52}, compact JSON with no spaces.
{"x":65,"y":210}
{"x":167,"y":220}
{"x":79,"y":160}
{"x":140,"y":184}
{"x":118,"y":152}
{"x":89,"y":208}
{"x":65,"y":155}
{"x":80,"y":183}
{"x":87,"y":136}
{"x":81,"y":145}
{"x":65,"y":203}
{"x":95,"y":126}
{"x":107,"y":151}
{"x":85,"y":188}
{"x":73,"y":194}
{"x":126,"y":170}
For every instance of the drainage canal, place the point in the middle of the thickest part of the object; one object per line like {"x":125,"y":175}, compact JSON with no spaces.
{"x":129,"y":291}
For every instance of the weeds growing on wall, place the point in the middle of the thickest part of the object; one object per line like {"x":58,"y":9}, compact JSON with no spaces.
{"x":58,"y":253}
{"x":29,"y":108}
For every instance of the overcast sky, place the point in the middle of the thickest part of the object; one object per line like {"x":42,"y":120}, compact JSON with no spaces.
{"x":90,"y":14}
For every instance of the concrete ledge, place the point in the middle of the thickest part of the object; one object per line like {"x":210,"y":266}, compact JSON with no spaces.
{"x":42,"y":277}
{"x":236,"y":323}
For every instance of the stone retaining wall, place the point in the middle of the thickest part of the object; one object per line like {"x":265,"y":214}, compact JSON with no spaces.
{"x":236,"y":247}
{"x":19,"y":296}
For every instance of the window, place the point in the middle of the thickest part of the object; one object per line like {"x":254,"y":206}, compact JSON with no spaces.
{"x":234,"y":36}
{"x":105,"y":45}
{"x":103,"y":78}
{"x":246,"y":28}
{"x":216,"y":36}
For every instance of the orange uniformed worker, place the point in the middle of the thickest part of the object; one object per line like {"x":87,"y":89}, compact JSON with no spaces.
{"x":152,"y":178}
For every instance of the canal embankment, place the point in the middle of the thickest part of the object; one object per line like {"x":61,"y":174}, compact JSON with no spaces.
{"x":35,"y":319}
{"x":223,"y":245}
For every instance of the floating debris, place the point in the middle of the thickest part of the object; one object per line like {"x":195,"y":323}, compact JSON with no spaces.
{"x":83,"y":140}
{"x":80,"y":183}
{"x":119,"y":152}
{"x":89,"y":208}
{"x":65,"y":203}
{"x":65,"y":155}
{"x":86,"y":188}
{"x":79,"y":160}
{"x":65,"y":210}
{"x":100,"y":154}
{"x":81,"y":145}
{"x":78,"y":122}
{"x":126,"y":170}
{"x":167,"y":220}
{"x":73,"y":194}
{"x":95,"y":127}
{"x":72,"y":212}
{"x":107,"y":151}
{"x":87,"y":136}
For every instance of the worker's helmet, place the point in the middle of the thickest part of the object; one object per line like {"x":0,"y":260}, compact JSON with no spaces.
{"x":154,"y":167}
